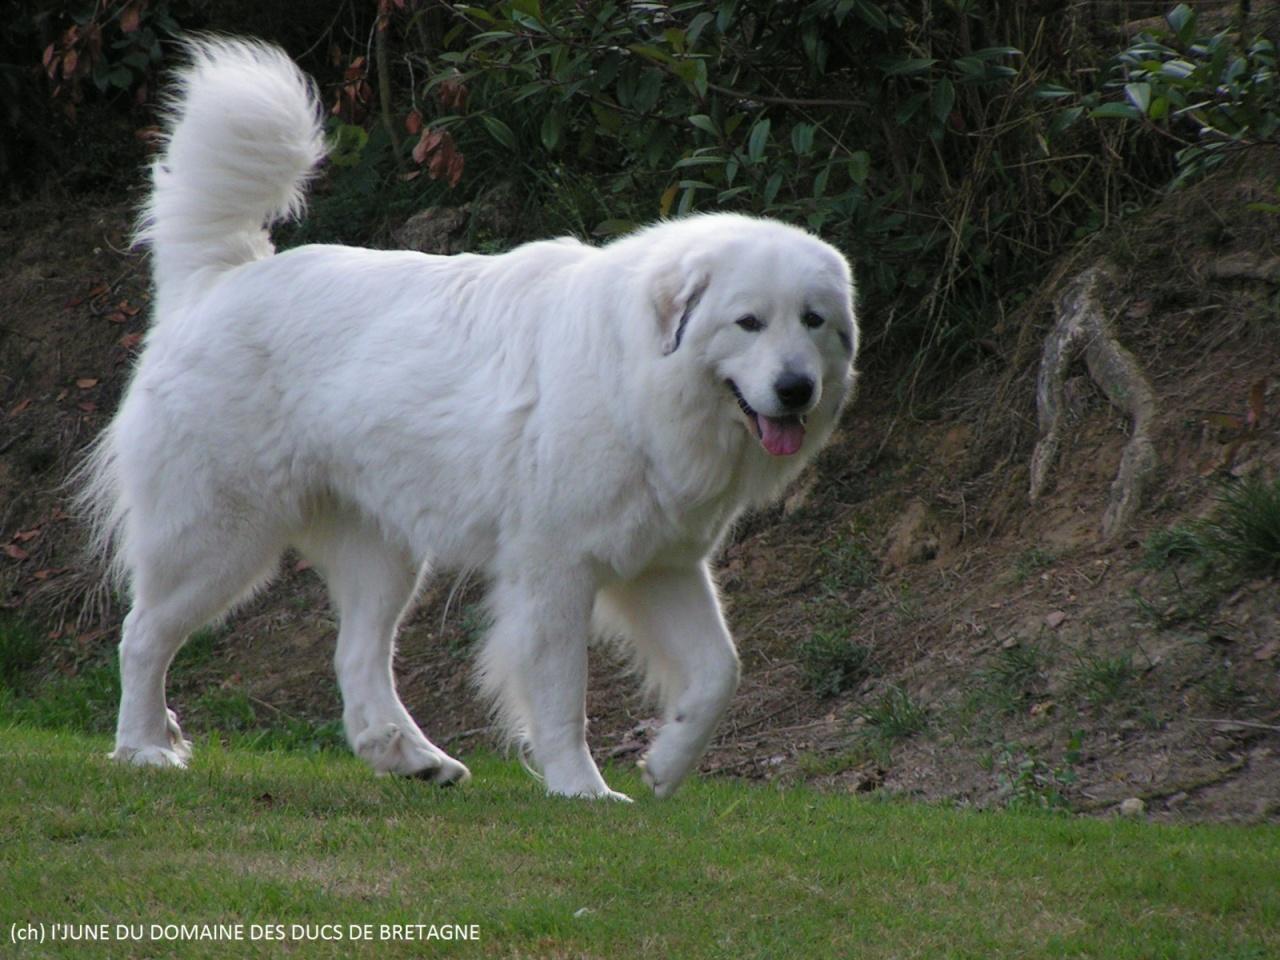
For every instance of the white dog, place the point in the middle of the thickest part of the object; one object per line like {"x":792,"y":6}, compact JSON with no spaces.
{"x":578,"y":424}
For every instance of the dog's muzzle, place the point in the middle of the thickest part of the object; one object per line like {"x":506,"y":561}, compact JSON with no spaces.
{"x":780,"y":436}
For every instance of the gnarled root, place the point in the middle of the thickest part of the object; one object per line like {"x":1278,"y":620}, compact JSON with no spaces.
{"x":1083,"y":327}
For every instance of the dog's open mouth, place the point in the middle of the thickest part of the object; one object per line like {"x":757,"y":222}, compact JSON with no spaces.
{"x":781,"y":436}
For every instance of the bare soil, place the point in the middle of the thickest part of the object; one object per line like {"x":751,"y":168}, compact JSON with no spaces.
{"x":1008,"y":624}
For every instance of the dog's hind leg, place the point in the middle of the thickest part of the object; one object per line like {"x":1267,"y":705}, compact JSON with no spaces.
{"x":372,"y":583}
{"x":534,"y":666}
{"x":673,"y":619}
{"x":182,"y":579}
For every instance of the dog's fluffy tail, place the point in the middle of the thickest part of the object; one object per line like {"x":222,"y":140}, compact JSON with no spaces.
{"x":242,"y":137}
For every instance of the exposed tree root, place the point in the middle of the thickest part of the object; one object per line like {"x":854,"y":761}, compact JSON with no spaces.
{"x":1244,"y":265}
{"x":1083,"y":327}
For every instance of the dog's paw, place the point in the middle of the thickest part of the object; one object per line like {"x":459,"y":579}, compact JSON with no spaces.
{"x":663,"y":770}
{"x":151,"y":756}
{"x":592,"y":793}
{"x":389,"y":749}
{"x":179,"y":744}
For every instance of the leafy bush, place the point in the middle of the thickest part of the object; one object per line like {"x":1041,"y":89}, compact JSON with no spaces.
{"x":1213,"y":93}
{"x":889,"y":127}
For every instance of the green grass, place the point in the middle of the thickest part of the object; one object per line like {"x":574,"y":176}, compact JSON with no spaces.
{"x":721,"y":870}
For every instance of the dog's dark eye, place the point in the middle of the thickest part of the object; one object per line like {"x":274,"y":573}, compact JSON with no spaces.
{"x":750,"y":324}
{"x":812,"y":320}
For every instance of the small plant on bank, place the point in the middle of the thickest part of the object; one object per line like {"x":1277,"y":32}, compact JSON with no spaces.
{"x":895,"y":716}
{"x":848,"y":565}
{"x":1245,"y":529}
{"x":1101,"y":680}
{"x":1241,"y":538}
{"x":1177,"y":543}
{"x":832,"y":663}
{"x":1014,"y":676}
{"x":1031,"y":562}
{"x":1029,"y":782}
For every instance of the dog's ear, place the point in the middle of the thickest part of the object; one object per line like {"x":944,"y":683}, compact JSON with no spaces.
{"x":676,"y":294}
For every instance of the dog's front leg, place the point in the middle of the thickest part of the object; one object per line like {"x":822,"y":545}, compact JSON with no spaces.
{"x":534,"y":665}
{"x":673,"y":618}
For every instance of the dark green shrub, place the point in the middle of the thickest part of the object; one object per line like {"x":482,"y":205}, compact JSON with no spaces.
{"x":832,"y":663}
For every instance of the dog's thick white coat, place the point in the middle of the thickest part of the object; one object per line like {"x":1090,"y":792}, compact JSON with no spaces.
{"x":560,"y":418}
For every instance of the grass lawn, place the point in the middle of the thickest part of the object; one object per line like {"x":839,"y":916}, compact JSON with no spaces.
{"x":291,"y":842}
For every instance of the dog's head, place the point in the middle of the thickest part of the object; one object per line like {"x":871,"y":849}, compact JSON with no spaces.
{"x":767,"y":311}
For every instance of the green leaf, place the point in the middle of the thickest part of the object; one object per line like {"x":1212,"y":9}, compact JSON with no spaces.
{"x":771,"y":187}
{"x":1115,"y":111}
{"x":704,"y":123}
{"x":347,"y":144}
{"x":530,"y":8}
{"x":944,"y":98}
{"x":686,"y":202}
{"x":648,"y":90}
{"x":652,"y":52}
{"x":1139,"y":95}
{"x":859,"y":166}
{"x":528,"y":21}
{"x":612,"y":228}
{"x":609,"y":120}
{"x":696,"y":26}
{"x":1159,"y":108}
{"x":1177,"y":69}
{"x":995,"y":53}
{"x":700,"y":77}
{"x":694,"y":73}
{"x":910,"y":107}
{"x":1053,"y":91}
{"x":500,"y":131}
{"x":820,"y":181}
{"x":1182,"y":20}
{"x":871,"y":14}
{"x":908,"y":65}
{"x":725,"y":15}
{"x":757,"y":140}
{"x":971,"y":69}
{"x":802,"y":138}
{"x":552,"y":124}
{"x":703,"y":161}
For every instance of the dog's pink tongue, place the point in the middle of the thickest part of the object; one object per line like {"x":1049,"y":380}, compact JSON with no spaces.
{"x":781,"y":437}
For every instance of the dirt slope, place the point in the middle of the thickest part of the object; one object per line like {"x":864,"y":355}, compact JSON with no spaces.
{"x":1037,"y":663}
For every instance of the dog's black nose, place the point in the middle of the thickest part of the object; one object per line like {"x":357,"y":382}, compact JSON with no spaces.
{"x":794,"y":390}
